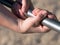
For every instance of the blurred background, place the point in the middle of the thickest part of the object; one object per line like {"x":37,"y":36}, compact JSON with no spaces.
{"x":8,"y":37}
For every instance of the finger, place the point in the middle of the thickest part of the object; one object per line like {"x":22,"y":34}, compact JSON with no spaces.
{"x":25,"y":5}
{"x":42,"y":14}
{"x":52,"y":16}
{"x":22,"y":14}
{"x":43,"y":28}
{"x":36,"y":11}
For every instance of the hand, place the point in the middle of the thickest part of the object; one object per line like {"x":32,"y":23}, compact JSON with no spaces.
{"x":34,"y":23}
{"x":43,"y":14}
{"x":19,"y":9}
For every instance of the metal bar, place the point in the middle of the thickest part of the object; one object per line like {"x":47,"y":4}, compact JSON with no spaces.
{"x":52,"y":24}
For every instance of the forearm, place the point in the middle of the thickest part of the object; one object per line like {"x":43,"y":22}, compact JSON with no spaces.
{"x":8,"y":19}
{"x":8,"y":24}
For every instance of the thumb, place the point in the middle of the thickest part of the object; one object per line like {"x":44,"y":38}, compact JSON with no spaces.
{"x":22,"y":14}
{"x":25,"y":5}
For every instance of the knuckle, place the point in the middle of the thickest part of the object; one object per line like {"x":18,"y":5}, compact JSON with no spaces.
{"x":51,"y":16}
{"x":44,"y":12}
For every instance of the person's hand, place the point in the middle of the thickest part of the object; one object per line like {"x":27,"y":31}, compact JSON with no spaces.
{"x":33,"y":24}
{"x":19,"y":9}
{"x":43,"y":14}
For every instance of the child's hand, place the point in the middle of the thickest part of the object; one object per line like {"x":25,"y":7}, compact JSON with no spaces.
{"x":40,"y":14}
{"x":19,"y":9}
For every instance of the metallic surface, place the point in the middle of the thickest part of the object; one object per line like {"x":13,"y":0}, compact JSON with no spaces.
{"x":52,"y":24}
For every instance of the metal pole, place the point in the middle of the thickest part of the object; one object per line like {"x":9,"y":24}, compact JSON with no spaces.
{"x":51,"y":23}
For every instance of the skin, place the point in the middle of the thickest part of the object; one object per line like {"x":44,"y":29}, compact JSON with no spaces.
{"x":19,"y":25}
{"x":19,"y":10}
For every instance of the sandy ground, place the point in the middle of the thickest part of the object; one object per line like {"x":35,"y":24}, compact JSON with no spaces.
{"x":8,"y":37}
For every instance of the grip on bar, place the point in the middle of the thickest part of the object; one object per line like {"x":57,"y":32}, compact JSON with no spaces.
{"x":52,"y":24}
